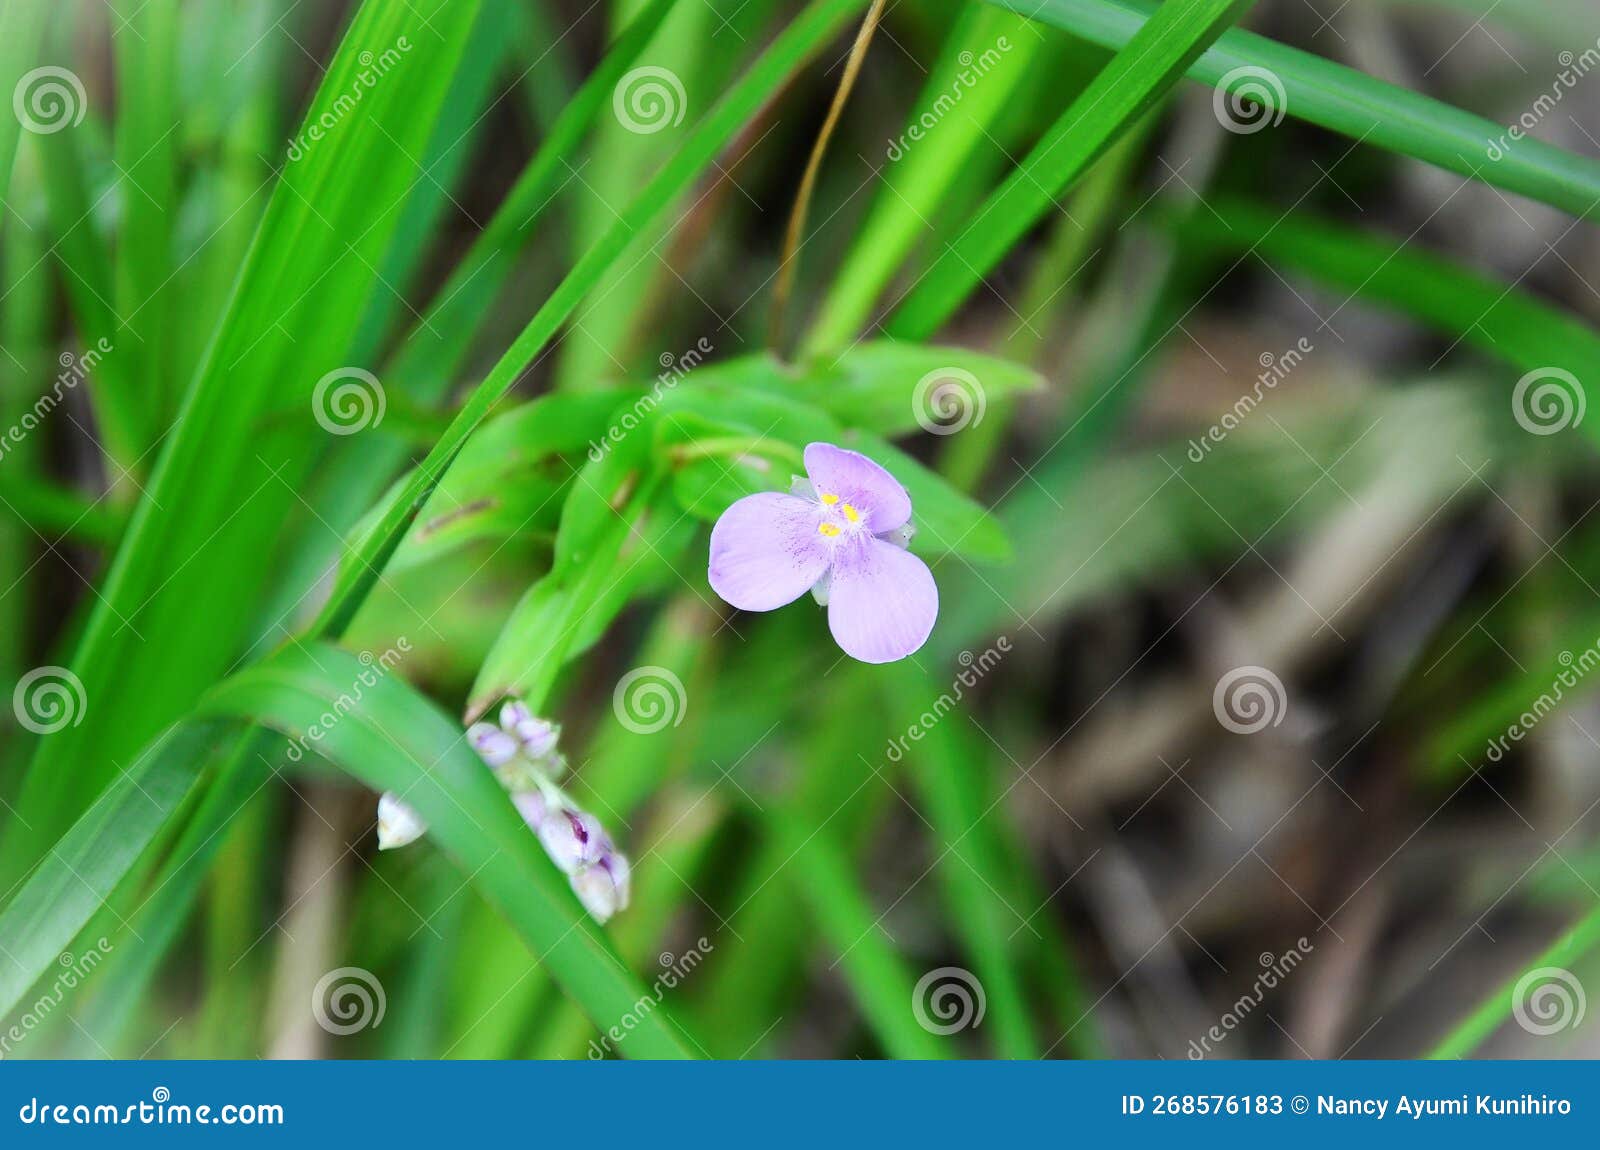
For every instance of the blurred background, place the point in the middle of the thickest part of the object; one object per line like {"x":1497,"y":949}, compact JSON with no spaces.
{"x":1274,"y":735}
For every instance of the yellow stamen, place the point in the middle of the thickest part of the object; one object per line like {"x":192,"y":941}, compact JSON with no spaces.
{"x":830,"y":500}
{"x":851,"y":513}
{"x":828,"y":529}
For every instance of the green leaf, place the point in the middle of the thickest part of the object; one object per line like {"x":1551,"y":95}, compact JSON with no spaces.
{"x":894,"y":388}
{"x":1152,"y":61}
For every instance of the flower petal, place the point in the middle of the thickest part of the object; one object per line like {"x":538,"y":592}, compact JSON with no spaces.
{"x":765,"y":551}
{"x":882,"y":602}
{"x":858,"y":481}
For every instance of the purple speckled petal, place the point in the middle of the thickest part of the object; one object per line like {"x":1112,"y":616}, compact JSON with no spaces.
{"x":766,"y":551}
{"x":883,"y":601}
{"x":856,"y":480}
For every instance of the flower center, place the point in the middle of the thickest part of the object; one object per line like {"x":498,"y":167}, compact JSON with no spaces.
{"x":831,"y":528}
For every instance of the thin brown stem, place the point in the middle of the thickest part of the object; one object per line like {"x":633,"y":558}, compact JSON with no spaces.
{"x":802,"y":203}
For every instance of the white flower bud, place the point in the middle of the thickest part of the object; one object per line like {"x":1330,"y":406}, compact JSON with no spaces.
{"x":398,"y":824}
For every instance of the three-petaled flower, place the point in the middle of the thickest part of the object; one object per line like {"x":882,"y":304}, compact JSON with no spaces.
{"x":842,"y":535}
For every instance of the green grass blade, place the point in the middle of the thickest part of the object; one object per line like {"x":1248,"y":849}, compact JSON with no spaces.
{"x":916,"y":184}
{"x":1578,"y":940}
{"x":147,"y":139}
{"x":392,"y":738}
{"x":22,"y":24}
{"x":48,"y":909}
{"x":1354,"y":104}
{"x":1502,"y":320}
{"x":810,"y":30}
{"x":1153,"y":60}
{"x":169,"y":618}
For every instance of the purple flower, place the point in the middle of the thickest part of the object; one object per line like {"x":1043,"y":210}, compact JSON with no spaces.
{"x":844,"y":539}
